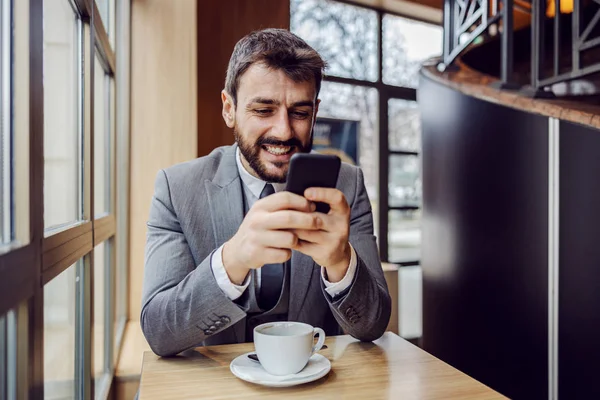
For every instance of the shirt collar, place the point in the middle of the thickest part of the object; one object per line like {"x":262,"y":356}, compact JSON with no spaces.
{"x":254,"y":184}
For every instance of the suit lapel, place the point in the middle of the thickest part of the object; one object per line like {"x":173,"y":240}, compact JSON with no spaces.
{"x":302,"y":267}
{"x":225,"y":198}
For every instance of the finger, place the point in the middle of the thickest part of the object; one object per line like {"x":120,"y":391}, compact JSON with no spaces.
{"x":311,"y":236}
{"x":276,"y":256}
{"x":310,"y":249}
{"x":291,"y":220}
{"x":285,"y":201}
{"x":333,"y":197}
{"x":330,"y":223}
{"x":278,"y":239}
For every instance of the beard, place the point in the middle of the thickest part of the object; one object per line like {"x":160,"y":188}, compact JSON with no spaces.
{"x":251,"y":152}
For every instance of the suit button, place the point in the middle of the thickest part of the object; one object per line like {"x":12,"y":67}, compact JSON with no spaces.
{"x":225,"y":319}
{"x":218,"y":323}
{"x":208,"y":332}
{"x":212,"y":328}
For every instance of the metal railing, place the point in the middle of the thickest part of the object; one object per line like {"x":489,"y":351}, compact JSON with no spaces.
{"x":580,"y":42}
{"x":467,"y":20}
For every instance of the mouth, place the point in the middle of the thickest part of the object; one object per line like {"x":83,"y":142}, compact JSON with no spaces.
{"x":278,"y":150}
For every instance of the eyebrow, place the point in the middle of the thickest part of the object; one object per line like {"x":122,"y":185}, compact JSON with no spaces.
{"x":271,"y":102}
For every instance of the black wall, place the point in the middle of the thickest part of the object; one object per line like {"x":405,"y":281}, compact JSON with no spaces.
{"x":579,"y":270}
{"x":485,"y":240}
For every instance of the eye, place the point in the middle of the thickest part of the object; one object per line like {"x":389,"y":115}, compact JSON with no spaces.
{"x":300,"y":114}
{"x":263,"y":111}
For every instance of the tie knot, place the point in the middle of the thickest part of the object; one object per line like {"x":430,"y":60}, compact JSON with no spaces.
{"x":267,"y":191}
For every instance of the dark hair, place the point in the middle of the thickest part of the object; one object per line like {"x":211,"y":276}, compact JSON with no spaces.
{"x":277,"y":49}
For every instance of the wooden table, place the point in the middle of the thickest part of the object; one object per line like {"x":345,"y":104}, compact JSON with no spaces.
{"x":388,"y":368}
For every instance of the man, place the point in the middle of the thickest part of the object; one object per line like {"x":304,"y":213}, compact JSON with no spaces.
{"x":222,"y":257}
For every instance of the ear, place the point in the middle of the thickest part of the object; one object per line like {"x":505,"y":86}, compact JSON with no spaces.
{"x":228,"y":109}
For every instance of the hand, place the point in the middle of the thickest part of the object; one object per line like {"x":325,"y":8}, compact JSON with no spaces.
{"x":328,"y":246}
{"x":264,"y":237}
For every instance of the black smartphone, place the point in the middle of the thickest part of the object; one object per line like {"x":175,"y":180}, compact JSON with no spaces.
{"x":313,"y":170}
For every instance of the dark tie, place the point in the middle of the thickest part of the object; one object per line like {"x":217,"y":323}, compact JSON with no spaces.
{"x":271,"y":275}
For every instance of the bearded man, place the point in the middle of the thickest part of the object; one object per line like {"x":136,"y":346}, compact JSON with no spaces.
{"x":228,"y":248}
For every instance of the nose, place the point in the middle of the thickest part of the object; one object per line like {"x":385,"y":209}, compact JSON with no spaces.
{"x":282,"y":129}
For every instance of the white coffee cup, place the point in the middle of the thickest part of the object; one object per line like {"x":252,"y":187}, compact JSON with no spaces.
{"x":284,"y":347}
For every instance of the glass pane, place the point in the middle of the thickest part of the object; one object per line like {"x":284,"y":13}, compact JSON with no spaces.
{"x":61,"y":139}
{"x":404,"y":186}
{"x":406,"y":44}
{"x":404,"y":236}
{"x":99,"y":312}
{"x":5,"y":124}
{"x":8,"y":355}
{"x":59,"y":335}
{"x":404,"y":125}
{"x":3,"y":358}
{"x":101,"y":154}
{"x":344,"y":35}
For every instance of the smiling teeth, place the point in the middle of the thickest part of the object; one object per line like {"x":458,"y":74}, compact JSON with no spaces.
{"x":278,"y":150}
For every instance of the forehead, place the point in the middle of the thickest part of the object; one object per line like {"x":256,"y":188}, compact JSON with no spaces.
{"x":262,"y":81}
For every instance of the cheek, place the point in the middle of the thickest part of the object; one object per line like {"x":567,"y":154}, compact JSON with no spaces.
{"x":253,"y":128}
{"x":302,"y":128}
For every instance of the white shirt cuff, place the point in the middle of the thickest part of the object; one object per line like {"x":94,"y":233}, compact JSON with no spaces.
{"x":333,"y":289}
{"x":232,"y":290}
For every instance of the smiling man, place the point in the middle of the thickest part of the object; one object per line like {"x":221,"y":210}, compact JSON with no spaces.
{"x":222,"y":257}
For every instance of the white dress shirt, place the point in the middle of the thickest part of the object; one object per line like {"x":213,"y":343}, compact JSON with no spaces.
{"x":252,"y":188}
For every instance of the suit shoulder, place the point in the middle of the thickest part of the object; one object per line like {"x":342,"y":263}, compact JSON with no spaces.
{"x":348,"y":174}
{"x":198,"y":169}
{"x":348,"y":180}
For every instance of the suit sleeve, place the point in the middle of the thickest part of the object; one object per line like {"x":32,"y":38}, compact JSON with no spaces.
{"x":363,"y":310}
{"x":182,"y":302}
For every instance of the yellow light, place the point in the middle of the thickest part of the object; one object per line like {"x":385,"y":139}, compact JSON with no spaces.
{"x":566,"y":7}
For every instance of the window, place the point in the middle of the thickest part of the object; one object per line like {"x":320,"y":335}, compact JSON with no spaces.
{"x":61,"y":301}
{"x":404,"y":236}
{"x":62,"y":136}
{"x":100,"y":323}
{"x":406,"y":44}
{"x":52,"y":88}
{"x":404,"y":125}
{"x":102,"y":124}
{"x":356,"y":87}
{"x":6,"y":199}
{"x":3,"y":358}
{"x":404,"y":188}
{"x":345,"y":35}
{"x":404,"y":182}
{"x":8,"y":355}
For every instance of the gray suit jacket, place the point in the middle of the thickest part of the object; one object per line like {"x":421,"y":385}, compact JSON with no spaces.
{"x":197,"y":206}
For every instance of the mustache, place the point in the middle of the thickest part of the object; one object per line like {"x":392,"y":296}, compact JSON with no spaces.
{"x":293,"y":142}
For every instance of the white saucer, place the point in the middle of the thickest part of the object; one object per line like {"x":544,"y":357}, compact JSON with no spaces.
{"x":251,"y":371}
